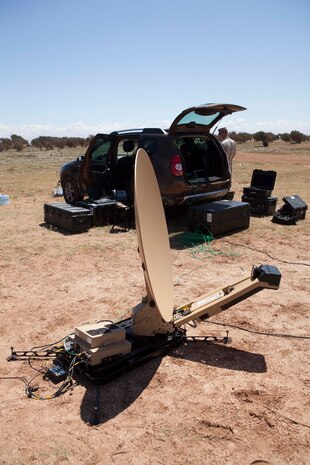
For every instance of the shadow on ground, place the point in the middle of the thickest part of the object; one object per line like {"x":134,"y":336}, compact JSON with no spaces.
{"x":222,"y":356}
{"x":102,"y":403}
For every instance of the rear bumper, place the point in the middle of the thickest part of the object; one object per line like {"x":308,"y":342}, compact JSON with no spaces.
{"x":171,"y":200}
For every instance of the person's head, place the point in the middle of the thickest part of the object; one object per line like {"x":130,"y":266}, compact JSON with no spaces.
{"x":223,"y":133}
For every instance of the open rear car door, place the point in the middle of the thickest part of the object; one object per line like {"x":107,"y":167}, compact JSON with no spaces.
{"x":202,"y":118}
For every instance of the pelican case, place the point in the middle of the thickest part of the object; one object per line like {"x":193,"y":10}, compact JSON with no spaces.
{"x":102,"y":210}
{"x":295,"y":206}
{"x":262,"y":184}
{"x":261,"y":206}
{"x":68,"y":217}
{"x":219,"y":217}
{"x":294,"y":209}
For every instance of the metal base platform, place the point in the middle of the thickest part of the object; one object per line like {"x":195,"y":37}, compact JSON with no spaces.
{"x":143,"y":350}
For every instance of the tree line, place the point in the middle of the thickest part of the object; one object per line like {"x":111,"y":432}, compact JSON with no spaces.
{"x":267,"y":137}
{"x":18,"y":143}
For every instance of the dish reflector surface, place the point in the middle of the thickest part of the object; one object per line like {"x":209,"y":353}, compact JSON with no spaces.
{"x":153,"y":237}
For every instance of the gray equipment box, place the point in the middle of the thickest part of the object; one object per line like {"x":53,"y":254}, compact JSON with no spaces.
{"x":68,"y":217}
{"x":220,"y":217}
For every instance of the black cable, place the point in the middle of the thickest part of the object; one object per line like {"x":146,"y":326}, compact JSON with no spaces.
{"x":258,"y":332}
{"x":49,"y":345}
{"x":39,"y":370}
{"x":268,"y":254}
{"x":66,"y":384}
{"x":295,"y":422}
{"x":20,"y":378}
{"x":28,"y":389}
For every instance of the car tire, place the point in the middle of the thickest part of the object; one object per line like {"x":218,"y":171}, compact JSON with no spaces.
{"x":71,"y":191}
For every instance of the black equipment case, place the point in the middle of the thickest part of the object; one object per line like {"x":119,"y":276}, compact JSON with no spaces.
{"x":294,"y":209}
{"x":262,"y":184}
{"x":102,"y":210}
{"x":296,"y":206}
{"x":68,"y":217}
{"x":219,"y":217}
{"x":261,"y":206}
{"x":258,"y":194}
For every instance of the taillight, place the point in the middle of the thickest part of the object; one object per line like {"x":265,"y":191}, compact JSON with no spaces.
{"x":176,"y":165}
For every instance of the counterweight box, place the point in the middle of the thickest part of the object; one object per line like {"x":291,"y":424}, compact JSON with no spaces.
{"x":220,"y":217}
{"x":68,"y":217}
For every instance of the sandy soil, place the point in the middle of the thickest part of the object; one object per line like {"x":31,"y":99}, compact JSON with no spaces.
{"x":242,"y":403}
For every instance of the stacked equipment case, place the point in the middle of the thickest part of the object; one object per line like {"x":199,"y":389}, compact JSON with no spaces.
{"x":102,"y":210}
{"x":81,"y":218}
{"x":258,"y":194}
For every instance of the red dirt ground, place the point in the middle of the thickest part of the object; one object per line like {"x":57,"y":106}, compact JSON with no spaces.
{"x":242,"y":403}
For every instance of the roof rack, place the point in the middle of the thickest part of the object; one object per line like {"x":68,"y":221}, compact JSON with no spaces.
{"x":139,"y":131}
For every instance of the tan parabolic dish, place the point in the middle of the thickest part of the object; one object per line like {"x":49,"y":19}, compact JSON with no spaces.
{"x":153,"y":236}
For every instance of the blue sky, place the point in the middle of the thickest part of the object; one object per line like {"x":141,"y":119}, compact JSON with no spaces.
{"x":77,"y":67}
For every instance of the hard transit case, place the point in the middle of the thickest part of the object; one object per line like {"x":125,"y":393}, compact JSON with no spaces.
{"x":262,"y":184}
{"x":261,"y":206}
{"x":219,"y":217}
{"x":103,"y":210}
{"x":68,"y":217}
{"x":294,"y":209}
{"x":296,"y":206}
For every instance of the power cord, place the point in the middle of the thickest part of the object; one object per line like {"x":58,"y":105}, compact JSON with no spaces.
{"x":262,"y":333}
{"x":47,"y":351}
{"x":65,"y":386}
{"x":268,"y":254}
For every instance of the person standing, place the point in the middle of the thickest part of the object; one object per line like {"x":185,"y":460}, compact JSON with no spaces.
{"x":229,"y":146}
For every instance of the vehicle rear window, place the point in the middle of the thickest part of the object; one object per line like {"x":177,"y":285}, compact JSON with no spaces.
{"x":193,"y":117}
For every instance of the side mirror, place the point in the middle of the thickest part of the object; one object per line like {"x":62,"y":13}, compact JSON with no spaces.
{"x":80,"y":158}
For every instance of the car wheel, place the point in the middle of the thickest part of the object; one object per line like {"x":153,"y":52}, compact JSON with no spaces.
{"x":71,"y":192}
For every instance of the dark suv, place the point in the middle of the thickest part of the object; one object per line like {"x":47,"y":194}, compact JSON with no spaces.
{"x":189,"y":162}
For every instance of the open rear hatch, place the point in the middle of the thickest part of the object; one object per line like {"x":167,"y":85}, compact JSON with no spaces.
{"x":202,"y":157}
{"x":201,"y":118}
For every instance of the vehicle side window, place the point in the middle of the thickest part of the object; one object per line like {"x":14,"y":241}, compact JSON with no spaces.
{"x":126,"y":147}
{"x":101,"y":150}
{"x":150,"y":145}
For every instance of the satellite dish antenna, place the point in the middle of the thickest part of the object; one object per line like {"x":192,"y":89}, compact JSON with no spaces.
{"x":153,"y":237}
{"x":108,"y":349}
{"x":155,"y":315}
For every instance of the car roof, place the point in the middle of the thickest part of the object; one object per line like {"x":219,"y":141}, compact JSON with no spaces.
{"x":139,"y":131}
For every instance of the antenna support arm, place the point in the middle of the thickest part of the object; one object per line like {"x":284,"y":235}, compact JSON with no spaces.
{"x":208,"y":305}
